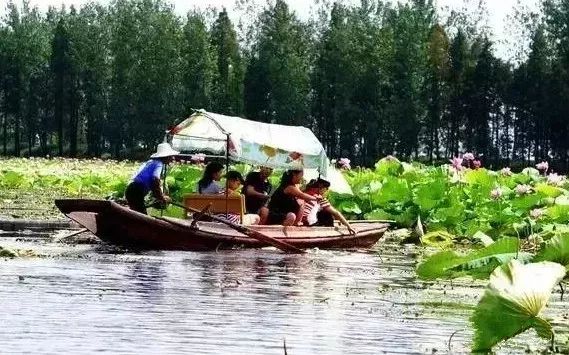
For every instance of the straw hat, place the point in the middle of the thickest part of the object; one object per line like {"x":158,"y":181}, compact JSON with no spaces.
{"x":164,"y":150}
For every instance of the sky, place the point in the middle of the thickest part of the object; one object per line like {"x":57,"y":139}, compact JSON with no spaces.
{"x":498,"y":11}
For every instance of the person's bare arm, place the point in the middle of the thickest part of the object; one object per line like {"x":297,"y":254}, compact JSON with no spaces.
{"x":340,"y":217}
{"x":250,"y":191}
{"x":157,"y":190}
{"x":296,"y":192}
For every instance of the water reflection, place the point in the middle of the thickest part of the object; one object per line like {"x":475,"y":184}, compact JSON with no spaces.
{"x":244,"y":302}
{"x":147,"y":279}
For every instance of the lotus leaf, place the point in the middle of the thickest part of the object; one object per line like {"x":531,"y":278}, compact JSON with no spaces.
{"x":512,"y":302}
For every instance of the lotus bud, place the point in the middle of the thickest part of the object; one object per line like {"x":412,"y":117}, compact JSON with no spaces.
{"x":496,"y":193}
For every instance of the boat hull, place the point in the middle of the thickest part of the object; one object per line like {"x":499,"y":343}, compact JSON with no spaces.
{"x":119,"y":225}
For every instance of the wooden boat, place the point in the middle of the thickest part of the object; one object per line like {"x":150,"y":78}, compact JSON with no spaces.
{"x":119,"y":225}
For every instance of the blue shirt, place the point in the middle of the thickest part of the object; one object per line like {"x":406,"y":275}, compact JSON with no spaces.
{"x":211,"y":189}
{"x":147,"y":173}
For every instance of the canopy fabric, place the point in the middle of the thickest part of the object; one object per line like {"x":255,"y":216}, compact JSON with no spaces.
{"x":257,"y":143}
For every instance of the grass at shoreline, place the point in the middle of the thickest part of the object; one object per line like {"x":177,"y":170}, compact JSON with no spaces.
{"x":29,"y":186}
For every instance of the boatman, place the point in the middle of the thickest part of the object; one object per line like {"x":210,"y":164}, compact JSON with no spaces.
{"x":149,"y":179}
{"x":257,"y":189}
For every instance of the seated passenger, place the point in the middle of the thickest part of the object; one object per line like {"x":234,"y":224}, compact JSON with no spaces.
{"x":321,"y":213}
{"x":234,"y":181}
{"x":256,"y":189}
{"x":208,"y":185}
{"x":284,"y":208}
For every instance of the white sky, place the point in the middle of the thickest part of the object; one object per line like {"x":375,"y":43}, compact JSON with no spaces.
{"x":498,"y":11}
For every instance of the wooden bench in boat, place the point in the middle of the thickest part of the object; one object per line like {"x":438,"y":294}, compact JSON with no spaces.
{"x":219,"y":204}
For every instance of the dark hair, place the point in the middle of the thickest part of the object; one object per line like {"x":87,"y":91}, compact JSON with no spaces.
{"x":318,"y":183}
{"x":234,"y":175}
{"x":286,"y":179}
{"x":210,"y":170}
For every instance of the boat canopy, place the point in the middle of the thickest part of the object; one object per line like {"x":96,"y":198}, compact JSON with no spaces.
{"x":256,"y":143}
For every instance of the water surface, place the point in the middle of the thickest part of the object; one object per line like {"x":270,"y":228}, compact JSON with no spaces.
{"x":93,"y":299}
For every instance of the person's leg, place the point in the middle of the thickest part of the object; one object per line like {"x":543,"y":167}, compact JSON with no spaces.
{"x":298,"y":214}
{"x":325,"y":219}
{"x":251,"y":219}
{"x":290,"y":219}
{"x":263,"y":215}
{"x":135,"y":198}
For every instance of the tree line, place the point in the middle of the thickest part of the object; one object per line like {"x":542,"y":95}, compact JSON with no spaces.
{"x":371,"y":79}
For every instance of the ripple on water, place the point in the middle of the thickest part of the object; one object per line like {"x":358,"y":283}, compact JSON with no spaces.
{"x":87,"y":299}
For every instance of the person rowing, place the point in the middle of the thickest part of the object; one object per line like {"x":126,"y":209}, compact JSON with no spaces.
{"x":148,"y":178}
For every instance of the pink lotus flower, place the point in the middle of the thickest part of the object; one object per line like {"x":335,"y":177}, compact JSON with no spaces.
{"x":536,"y":213}
{"x":496,"y":193}
{"x":555,"y":179}
{"x":523,"y":189}
{"x":344,"y":163}
{"x":457,"y":163}
{"x":476,"y":164}
{"x":468,"y":156}
{"x":506,"y":172}
{"x":543,"y":166}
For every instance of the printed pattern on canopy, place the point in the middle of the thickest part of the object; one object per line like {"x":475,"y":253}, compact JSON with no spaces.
{"x":257,"y":143}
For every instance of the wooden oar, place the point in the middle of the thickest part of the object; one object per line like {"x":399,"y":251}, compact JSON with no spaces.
{"x":279,"y":244}
{"x":83,"y":230}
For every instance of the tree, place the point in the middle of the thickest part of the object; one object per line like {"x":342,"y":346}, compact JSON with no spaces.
{"x":412,"y":24}
{"x":227,"y":93}
{"x":437,"y":92}
{"x":281,"y":59}
{"x":456,"y":115}
{"x":61,"y":65}
{"x":198,"y":63}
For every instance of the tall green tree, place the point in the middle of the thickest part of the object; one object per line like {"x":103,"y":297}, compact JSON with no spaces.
{"x":412,"y":25}
{"x":460,"y":65}
{"x":61,"y":66}
{"x":437,"y":89}
{"x":227,"y":92}
{"x":480,"y":101}
{"x":198,"y":63}
{"x":89,"y":33}
{"x":281,"y":58}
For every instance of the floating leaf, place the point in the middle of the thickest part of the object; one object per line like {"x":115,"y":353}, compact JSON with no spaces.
{"x":556,"y":250}
{"x":439,"y":239}
{"x":512,"y":302}
{"x":5,"y":253}
{"x":479,"y":263}
{"x":483,"y":238}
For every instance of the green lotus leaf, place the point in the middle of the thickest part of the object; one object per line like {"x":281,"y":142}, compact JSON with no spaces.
{"x":389,"y":166}
{"x":479,"y":263}
{"x":556,"y":250}
{"x":513,"y":301}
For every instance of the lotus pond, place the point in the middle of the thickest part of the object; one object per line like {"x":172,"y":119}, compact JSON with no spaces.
{"x":507,"y":231}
